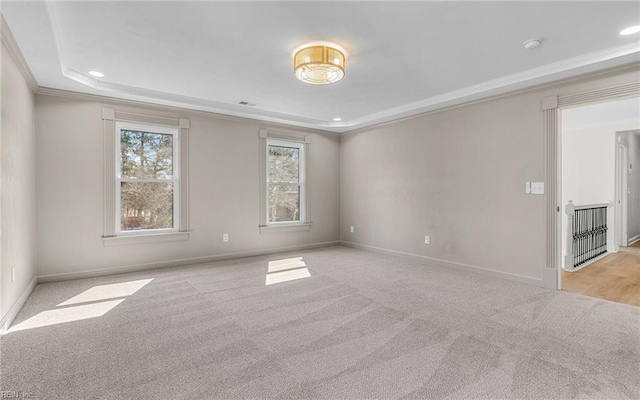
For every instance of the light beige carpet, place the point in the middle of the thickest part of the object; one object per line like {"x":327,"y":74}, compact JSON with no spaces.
{"x":353,"y":325}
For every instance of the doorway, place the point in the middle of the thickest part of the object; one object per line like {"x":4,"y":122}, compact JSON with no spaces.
{"x":600,"y":197}
{"x":620,"y":201}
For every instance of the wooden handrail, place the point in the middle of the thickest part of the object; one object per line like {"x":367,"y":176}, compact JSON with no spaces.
{"x":570,"y":207}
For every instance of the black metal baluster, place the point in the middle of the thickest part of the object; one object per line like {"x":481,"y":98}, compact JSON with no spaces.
{"x":577,"y":238}
{"x":580,"y":238}
{"x":592,"y":232}
{"x":589,"y":234}
{"x":596,"y":245}
{"x":581,"y":235}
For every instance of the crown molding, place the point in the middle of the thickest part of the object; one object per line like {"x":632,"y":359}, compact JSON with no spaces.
{"x":166,"y":98}
{"x":186,"y":111}
{"x":583,"y":77}
{"x":505,"y":85}
{"x":178,"y":111}
{"x":11,"y":45}
{"x":522,"y":80}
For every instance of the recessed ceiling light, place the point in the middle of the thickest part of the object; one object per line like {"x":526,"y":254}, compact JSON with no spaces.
{"x":630,"y":30}
{"x":337,"y":119}
{"x":96,"y":74}
{"x":532,"y":44}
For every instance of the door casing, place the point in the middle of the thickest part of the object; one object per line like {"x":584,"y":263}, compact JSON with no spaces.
{"x":551,"y":109}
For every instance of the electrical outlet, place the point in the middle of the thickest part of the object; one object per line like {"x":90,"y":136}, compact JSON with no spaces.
{"x":225,"y":237}
{"x":427,"y":240}
{"x":352,"y":229}
{"x":13,"y":274}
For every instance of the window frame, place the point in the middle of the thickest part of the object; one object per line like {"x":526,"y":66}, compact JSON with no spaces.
{"x":175,"y":180}
{"x":301,"y":180}
{"x":289,"y":139}
{"x":180,"y":231}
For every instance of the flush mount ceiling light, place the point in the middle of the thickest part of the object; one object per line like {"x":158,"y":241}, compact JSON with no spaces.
{"x":319,"y":63}
{"x":631,"y":30}
{"x":337,"y":119}
{"x":96,"y":74}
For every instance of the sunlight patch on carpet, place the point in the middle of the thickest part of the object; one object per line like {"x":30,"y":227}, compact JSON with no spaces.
{"x":104,"y":292}
{"x":285,"y":270}
{"x":67,"y":314}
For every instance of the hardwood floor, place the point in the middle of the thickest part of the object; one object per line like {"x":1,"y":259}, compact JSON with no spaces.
{"x":616,"y":277}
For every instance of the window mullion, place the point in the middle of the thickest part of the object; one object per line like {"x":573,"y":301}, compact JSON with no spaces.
{"x":133,"y":180}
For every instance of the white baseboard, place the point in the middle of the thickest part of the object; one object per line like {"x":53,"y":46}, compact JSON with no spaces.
{"x":177,"y":263}
{"x":601,"y":256}
{"x":446,"y":263}
{"x":8,"y":318}
{"x":551,"y":279}
{"x":633,"y":240}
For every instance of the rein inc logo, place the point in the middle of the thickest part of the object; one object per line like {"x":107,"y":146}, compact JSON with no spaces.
{"x":16,"y":394}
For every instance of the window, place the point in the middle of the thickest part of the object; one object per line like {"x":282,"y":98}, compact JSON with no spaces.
{"x":284,"y":181}
{"x":146,"y":180}
{"x":147,"y":183}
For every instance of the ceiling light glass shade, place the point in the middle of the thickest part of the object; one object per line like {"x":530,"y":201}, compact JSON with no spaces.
{"x":319,"y":64}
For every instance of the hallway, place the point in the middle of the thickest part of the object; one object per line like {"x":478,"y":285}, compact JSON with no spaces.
{"x":615,"y":277}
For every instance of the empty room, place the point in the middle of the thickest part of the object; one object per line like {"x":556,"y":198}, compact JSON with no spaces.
{"x":320,"y":200}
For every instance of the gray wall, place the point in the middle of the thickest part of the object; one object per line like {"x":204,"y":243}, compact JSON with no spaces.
{"x":17,"y":188}
{"x":458,"y":176}
{"x":224,"y":190}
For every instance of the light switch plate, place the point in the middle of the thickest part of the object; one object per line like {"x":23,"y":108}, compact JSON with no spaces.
{"x":537,"y":187}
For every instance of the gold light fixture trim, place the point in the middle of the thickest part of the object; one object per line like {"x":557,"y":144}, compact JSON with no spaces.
{"x":319,"y":63}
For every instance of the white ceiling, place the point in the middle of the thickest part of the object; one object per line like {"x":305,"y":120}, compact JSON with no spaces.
{"x":404,"y":58}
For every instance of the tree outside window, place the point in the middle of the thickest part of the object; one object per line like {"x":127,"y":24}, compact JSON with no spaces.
{"x":147,"y":182}
{"x":284,"y":183}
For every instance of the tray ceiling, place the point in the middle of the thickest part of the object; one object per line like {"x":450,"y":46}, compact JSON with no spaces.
{"x":403,"y":58}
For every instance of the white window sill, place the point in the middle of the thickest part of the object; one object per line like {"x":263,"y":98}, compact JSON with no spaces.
{"x":285,"y":227}
{"x":148,"y":238}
